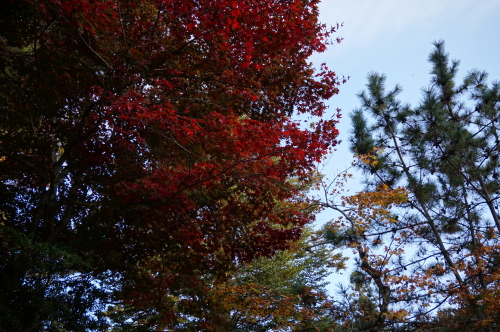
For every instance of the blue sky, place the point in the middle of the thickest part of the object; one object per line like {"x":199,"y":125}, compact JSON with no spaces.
{"x":395,"y":37}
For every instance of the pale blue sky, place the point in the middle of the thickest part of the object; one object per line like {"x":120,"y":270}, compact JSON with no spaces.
{"x":395,"y":37}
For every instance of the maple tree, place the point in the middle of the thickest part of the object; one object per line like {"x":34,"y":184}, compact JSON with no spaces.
{"x":147,"y":149}
{"x":426,"y":230}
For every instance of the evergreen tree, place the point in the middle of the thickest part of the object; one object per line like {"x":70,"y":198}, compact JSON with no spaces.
{"x":281,"y":293}
{"x":445,"y":152}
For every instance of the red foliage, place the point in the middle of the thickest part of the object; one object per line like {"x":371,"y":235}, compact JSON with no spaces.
{"x":159,"y":131}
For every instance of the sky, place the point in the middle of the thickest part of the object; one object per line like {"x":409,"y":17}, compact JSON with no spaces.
{"x":395,"y":37}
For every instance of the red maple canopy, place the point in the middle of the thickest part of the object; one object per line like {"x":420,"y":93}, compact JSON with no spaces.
{"x":155,"y":138}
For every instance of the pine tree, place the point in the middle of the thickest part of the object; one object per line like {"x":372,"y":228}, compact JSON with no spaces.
{"x":445,"y":152}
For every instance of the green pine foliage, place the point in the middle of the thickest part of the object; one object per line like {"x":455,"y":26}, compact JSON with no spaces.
{"x":445,"y":151}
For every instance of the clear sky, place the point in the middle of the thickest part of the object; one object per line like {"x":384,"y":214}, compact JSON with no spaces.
{"x":395,"y":37}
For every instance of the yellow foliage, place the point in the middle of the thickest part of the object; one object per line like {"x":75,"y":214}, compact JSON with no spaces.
{"x":371,"y":158}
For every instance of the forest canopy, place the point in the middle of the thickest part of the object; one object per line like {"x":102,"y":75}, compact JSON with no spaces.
{"x":153,"y":176}
{"x":147,"y":152}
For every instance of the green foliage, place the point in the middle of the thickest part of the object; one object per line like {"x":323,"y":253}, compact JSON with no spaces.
{"x":445,"y":152}
{"x":57,"y":285}
{"x":285,"y":292}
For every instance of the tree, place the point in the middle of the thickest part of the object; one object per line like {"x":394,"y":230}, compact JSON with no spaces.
{"x":366,"y":221}
{"x":145,"y":148}
{"x":436,"y":265}
{"x":283,"y":293}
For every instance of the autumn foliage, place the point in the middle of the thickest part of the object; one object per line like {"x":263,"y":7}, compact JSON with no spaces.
{"x":147,"y":149}
{"x":425,"y":232}
{"x":286,"y":292}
